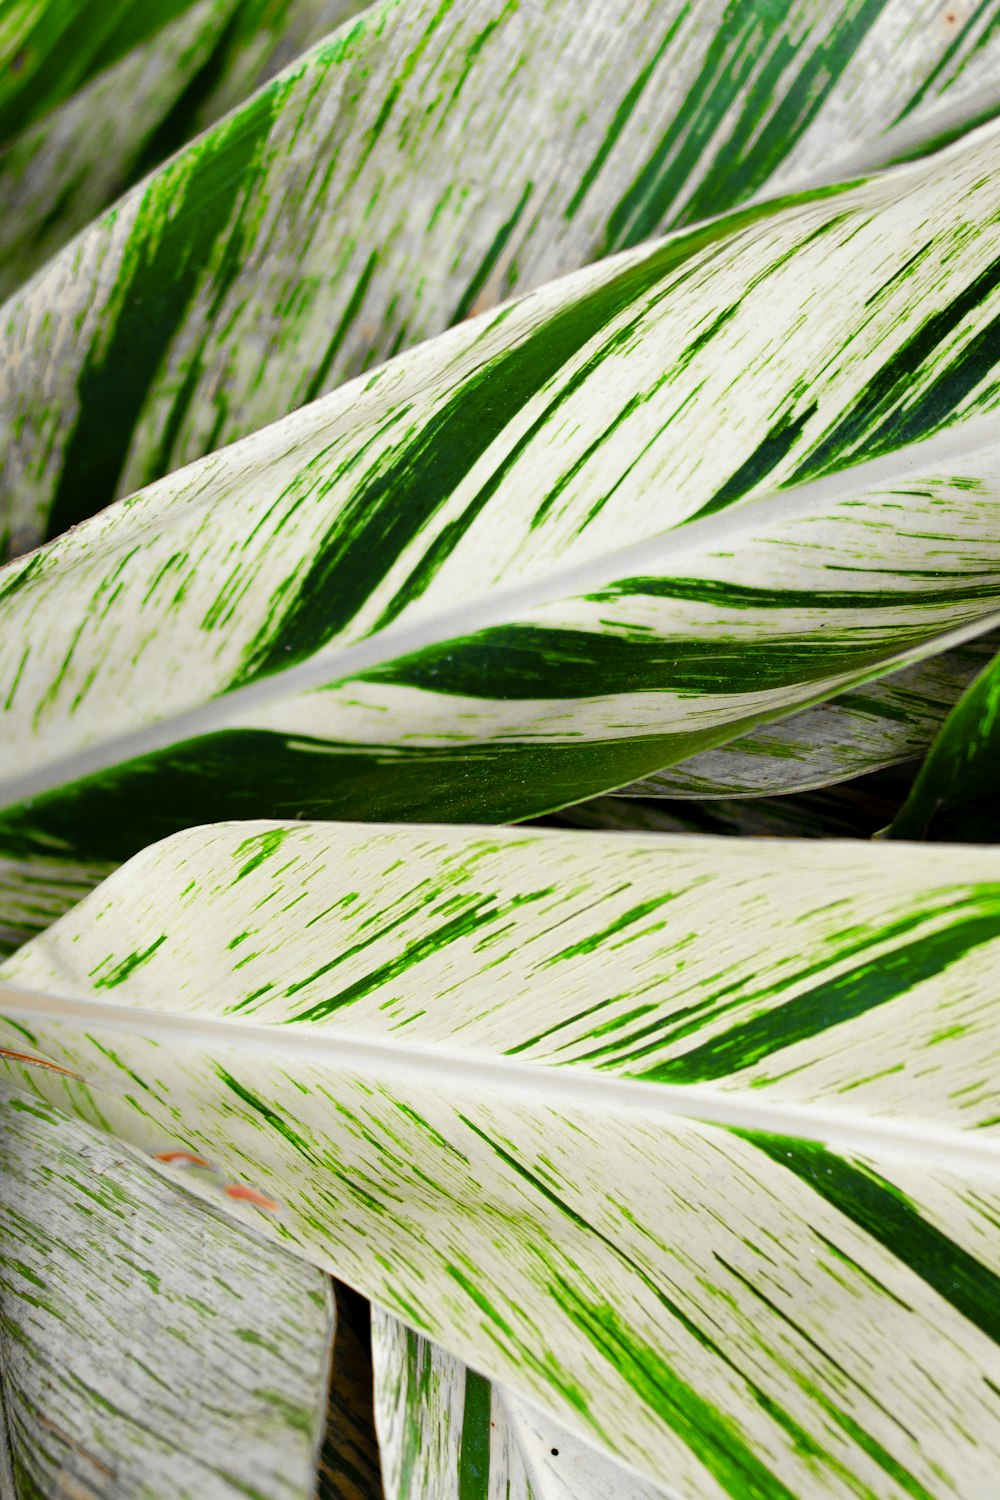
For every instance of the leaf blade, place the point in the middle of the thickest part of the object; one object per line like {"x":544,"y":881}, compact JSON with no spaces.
{"x":427,"y":1402}
{"x":609,"y":640}
{"x":952,"y":797}
{"x":480,"y":1206}
{"x":673,"y":96}
{"x":138,"y":1350}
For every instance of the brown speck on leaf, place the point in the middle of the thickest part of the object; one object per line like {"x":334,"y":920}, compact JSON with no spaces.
{"x":37,"y":1062}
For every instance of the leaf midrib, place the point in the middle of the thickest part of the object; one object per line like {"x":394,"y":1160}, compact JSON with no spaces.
{"x":547,"y":1086}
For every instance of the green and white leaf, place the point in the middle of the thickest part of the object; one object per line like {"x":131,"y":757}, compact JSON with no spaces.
{"x":855,"y":809}
{"x":62,"y":170}
{"x":889,"y":720}
{"x":35,"y":889}
{"x":955,"y":795}
{"x":49,"y":49}
{"x":148,"y":1345}
{"x":447,"y":1433}
{"x":522,"y":564}
{"x":692,"y":1142}
{"x":387,"y":185}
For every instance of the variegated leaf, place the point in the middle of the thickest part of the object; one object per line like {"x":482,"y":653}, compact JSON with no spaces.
{"x":423,"y":163}
{"x":51,"y":48}
{"x":856,"y":809}
{"x":148,"y":1345}
{"x":865,"y":729}
{"x":691,"y":1141}
{"x":186,"y":66}
{"x":36,"y":888}
{"x":955,"y":795}
{"x":448,"y":1433}
{"x":557,"y":549}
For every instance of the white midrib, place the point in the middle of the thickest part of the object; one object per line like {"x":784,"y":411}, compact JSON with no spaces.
{"x":502,"y":606}
{"x":546,"y":1086}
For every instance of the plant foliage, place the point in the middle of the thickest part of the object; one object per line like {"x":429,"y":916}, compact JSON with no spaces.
{"x":430,"y":418}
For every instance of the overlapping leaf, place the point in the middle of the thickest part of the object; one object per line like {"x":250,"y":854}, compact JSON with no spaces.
{"x":884,"y":722}
{"x":856,"y":809}
{"x":692,"y":1141}
{"x":955,"y":796}
{"x":561,"y":547}
{"x":175,"y":69}
{"x":424,"y":163}
{"x":446,"y":1432}
{"x":48,"y":51}
{"x":147,"y":1346}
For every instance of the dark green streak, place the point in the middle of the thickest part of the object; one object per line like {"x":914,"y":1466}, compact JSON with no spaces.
{"x":768,"y":454}
{"x":522,"y":662}
{"x":256,"y":774}
{"x":892,"y":409}
{"x":736,"y":48}
{"x":888,"y":1216}
{"x":166,"y":271}
{"x":829,"y":1004}
{"x":623,"y":114}
{"x":270,"y":1116}
{"x":854,"y":1430}
{"x":14,"y":578}
{"x":479,"y":913}
{"x":450,"y":535}
{"x":389,"y":509}
{"x":734,"y":994}
{"x":700,"y":1425}
{"x":746,"y":596}
{"x":350,"y":952}
{"x":634,"y":914}
{"x":713,"y":1440}
{"x":340,"y":332}
{"x":474,"y":1458}
{"x":128,"y":965}
{"x":259,"y":848}
{"x":386,"y":514}
{"x":491,"y":257}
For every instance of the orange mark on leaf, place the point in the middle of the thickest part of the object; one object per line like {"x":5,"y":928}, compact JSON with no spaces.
{"x":182,"y":1159}
{"x":244,"y":1194}
{"x":38,"y":1062}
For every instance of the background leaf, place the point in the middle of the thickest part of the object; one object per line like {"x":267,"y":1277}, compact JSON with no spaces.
{"x":349,"y":1465}
{"x":955,"y":795}
{"x":420,"y":166}
{"x":138,"y":1356}
{"x":186,"y":65}
{"x":856,"y":809}
{"x":448,"y":1433}
{"x":888,"y":720}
